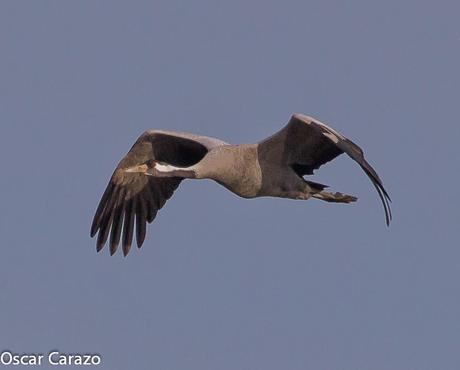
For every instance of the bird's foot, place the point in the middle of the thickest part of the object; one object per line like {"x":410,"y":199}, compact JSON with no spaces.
{"x":334,"y":197}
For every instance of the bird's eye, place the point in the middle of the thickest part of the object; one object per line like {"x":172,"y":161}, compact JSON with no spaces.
{"x":150,"y":163}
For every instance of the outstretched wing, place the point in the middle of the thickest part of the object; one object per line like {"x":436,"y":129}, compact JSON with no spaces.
{"x":306,"y":143}
{"x":134,"y":198}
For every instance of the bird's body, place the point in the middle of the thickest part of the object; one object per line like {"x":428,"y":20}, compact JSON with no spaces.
{"x":159,"y":160}
{"x":236,"y":167}
{"x":243,"y":171}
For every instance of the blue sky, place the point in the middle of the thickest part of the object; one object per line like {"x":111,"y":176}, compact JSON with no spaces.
{"x":222,"y":282}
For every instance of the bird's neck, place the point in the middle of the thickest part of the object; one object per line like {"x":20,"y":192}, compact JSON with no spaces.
{"x":167,"y":170}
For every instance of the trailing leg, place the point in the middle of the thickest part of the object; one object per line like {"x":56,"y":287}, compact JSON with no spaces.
{"x":334,"y":197}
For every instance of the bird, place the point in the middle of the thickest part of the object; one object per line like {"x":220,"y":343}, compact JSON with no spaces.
{"x":275,"y":167}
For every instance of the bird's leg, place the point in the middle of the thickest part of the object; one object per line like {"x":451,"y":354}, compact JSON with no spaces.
{"x":334,"y":197}
{"x":294,"y":194}
{"x":307,"y":189}
{"x":319,"y":194}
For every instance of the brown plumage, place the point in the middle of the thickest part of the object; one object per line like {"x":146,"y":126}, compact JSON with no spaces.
{"x":159,"y":160}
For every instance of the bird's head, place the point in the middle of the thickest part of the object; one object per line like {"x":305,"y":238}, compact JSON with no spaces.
{"x":152,"y":168}
{"x":146,"y":168}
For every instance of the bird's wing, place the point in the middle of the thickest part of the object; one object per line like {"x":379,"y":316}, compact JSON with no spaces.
{"x":306,"y":143}
{"x":134,"y":198}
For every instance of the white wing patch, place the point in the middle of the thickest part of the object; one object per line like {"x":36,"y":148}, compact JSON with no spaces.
{"x":331,"y":133}
{"x":165,"y":167}
{"x":304,"y":118}
{"x":331,"y":136}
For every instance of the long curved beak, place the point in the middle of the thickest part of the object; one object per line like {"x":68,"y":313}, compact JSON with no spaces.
{"x":137,"y":169}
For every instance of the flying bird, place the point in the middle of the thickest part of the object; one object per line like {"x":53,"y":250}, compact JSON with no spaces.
{"x":159,"y":160}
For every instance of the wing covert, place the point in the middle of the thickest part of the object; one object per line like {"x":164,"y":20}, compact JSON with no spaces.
{"x":305,"y":144}
{"x":131,"y":200}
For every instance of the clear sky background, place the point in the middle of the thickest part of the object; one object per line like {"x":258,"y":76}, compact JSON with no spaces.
{"x":222,"y":282}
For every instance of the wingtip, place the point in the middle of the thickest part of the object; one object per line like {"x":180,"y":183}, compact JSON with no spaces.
{"x":94,"y":228}
{"x":388,"y":215}
{"x":126,"y":248}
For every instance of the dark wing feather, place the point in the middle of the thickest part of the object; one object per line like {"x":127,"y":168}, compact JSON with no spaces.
{"x":307,"y":144}
{"x":301,"y":146}
{"x":133,"y":199}
{"x":356,"y":153}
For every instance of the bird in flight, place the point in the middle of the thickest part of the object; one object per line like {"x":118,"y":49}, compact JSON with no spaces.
{"x":159,"y":160}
